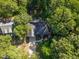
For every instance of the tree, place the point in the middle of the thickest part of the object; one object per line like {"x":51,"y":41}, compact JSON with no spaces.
{"x":39,"y":8}
{"x":8,"y":8}
{"x":65,"y":47}
{"x":21,"y":20}
{"x":21,"y":26}
{"x":62,"y":22}
{"x":7,"y":49}
{"x":62,"y":16}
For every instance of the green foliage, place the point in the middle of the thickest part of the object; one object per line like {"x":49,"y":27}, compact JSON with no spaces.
{"x":20,"y":30}
{"x":62,"y":48}
{"x":65,"y":47}
{"x":21,"y":20}
{"x":62,"y":21}
{"x":8,"y":8}
{"x":39,"y":8}
{"x":35,"y":56}
{"x":7,"y":49}
{"x":21,"y":27}
{"x":62,"y":17}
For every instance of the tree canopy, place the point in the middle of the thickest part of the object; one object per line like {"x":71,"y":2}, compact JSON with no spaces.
{"x":62,"y":17}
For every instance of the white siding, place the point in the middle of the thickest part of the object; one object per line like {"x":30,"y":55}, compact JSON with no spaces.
{"x":31,"y":31}
{"x":5,"y":30}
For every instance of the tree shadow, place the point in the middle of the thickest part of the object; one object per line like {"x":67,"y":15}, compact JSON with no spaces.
{"x":39,"y":8}
{"x":16,"y":40}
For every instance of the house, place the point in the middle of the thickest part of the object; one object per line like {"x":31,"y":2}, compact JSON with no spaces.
{"x":6,"y":26}
{"x":36,"y":33}
{"x":39,"y":29}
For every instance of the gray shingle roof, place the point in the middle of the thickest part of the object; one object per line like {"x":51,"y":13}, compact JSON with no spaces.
{"x":40,"y":27}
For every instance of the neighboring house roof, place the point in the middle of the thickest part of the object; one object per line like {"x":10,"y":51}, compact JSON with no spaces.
{"x":6,"y":27}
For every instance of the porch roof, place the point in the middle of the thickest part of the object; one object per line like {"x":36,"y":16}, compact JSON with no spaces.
{"x":6,"y":24}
